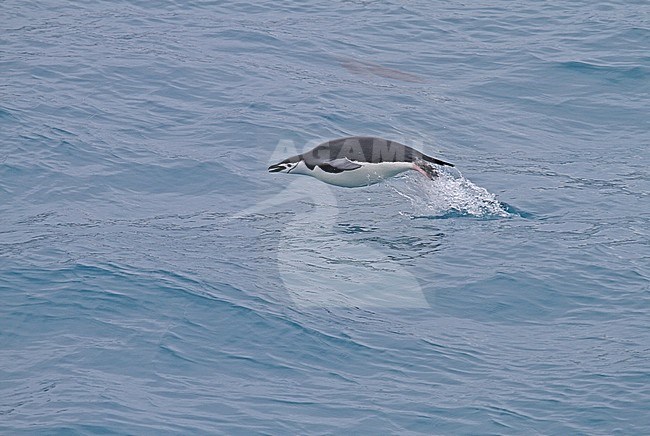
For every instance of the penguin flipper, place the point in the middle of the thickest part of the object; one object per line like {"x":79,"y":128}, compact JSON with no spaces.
{"x":339,"y":165}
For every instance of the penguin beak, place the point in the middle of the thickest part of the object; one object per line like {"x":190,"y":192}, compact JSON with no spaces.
{"x":276,"y":168}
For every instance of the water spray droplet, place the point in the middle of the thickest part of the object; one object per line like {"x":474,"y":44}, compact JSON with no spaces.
{"x":450,"y":195}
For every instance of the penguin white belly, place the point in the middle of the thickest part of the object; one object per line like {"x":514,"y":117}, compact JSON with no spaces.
{"x":368,"y":174}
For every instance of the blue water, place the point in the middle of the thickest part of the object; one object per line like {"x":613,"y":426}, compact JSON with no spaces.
{"x":155,"y":278}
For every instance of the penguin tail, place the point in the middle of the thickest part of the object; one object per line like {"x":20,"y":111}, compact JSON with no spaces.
{"x":436,"y":161}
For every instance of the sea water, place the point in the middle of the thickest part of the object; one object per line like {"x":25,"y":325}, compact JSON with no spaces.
{"x":156,"y":279}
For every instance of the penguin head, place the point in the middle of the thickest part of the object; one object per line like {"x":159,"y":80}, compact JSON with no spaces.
{"x":283,"y":167}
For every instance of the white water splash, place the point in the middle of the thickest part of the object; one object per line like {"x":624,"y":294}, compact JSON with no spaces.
{"x":450,"y":195}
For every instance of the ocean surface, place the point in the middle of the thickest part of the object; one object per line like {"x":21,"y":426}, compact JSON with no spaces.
{"x":156,"y":279}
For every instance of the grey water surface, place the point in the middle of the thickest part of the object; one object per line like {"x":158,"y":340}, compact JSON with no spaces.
{"x":156,"y":279}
